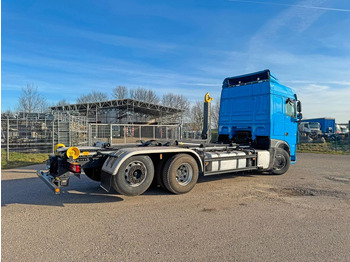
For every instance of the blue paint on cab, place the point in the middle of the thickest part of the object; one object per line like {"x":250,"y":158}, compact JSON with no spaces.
{"x":259,"y":105}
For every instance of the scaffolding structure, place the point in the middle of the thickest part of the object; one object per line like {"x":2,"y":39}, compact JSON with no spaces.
{"x":125,"y":111}
{"x":115,"y":121}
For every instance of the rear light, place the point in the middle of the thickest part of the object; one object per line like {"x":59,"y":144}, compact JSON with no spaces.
{"x":74,"y":167}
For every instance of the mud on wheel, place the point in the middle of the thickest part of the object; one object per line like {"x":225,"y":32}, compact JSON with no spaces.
{"x":180,"y":173}
{"x":134,"y":176}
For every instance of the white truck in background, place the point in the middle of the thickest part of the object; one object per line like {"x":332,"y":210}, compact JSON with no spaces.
{"x":311,"y":129}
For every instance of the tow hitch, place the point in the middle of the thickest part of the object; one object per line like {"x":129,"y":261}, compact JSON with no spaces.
{"x":53,"y":182}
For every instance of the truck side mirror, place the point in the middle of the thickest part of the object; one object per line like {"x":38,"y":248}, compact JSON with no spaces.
{"x":299,"y":106}
{"x":300,"y":116}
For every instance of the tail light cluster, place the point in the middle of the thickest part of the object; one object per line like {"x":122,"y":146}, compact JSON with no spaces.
{"x":74,"y":167}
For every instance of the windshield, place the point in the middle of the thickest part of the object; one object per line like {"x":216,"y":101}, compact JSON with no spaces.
{"x":314,"y":125}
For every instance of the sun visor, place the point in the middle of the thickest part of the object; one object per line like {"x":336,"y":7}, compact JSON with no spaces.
{"x":249,"y":78}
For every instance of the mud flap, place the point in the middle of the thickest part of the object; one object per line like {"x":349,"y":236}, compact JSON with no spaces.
{"x":106,"y":181}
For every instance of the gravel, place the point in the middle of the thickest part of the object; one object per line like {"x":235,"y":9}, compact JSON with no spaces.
{"x":302,"y":215}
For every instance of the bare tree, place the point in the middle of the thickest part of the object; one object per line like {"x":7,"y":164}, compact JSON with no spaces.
{"x":30,"y":101}
{"x":197,"y":116}
{"x":120,"y":92}
{"x":144,"y":95}
{"x":179,"y":102}
{"x":44,"y":106}
{"x":7,"y":114}
{"x":62,"y":102}
{"x":175,"y":101}
{"x":215,"y":111}
{"x":94,"y":96}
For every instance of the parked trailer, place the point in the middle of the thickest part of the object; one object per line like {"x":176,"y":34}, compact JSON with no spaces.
{"x":257,"y":131}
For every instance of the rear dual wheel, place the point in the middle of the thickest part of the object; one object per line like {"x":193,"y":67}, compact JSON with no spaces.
{"x":180,"y":174}
{"x":134,"y":176}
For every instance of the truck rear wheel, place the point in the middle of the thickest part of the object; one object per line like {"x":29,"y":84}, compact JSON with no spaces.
{"x":281,"y":162}
{"x":180,"y":174}
{"x":135,"y":176}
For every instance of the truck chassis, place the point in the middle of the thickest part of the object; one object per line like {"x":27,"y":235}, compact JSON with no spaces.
{"x":176,"y":166}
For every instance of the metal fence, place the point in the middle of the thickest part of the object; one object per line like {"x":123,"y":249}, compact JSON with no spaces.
{"x":333,"y":143}
{"x":41,"y":135}
{"x":125,"y":134}
{"x":34,"y":135}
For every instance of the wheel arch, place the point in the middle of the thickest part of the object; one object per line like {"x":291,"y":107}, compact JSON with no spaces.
{"x":275,"y":143}
{"x":167,"y":155}
{"x":156,"y":156}
{"x":280,"y":144}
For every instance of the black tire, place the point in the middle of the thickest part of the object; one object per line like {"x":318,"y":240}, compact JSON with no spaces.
{"x":180,"y":173}
{"x":93,"y":173}
{"x":134,"y":176}
{"x":281,"y":162}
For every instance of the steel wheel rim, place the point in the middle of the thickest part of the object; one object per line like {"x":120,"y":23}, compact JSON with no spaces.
{"x":280,"y":162}
{"x":184,"y":174}
{"x":135,"y":173}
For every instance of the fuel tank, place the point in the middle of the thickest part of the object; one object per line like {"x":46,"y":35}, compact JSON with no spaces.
{"x":215,"y":161}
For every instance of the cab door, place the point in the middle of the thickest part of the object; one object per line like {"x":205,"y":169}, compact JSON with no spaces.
{"x":278,"y":117}
{"x":290,"y":125}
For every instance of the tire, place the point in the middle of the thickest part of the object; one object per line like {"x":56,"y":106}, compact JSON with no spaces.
{"x":93,"y":173}
{"x":281,"y":162}
{"x":134,"y":176}
{"x":180,"y":174}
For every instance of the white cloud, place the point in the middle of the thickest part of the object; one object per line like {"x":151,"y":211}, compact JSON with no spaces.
{"x":294,"y":5}
{"x":324,"y":101}
{"x":130,"y":42}
{"x":292,"y":18}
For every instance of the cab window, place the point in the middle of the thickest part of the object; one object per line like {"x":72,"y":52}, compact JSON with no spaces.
{"x":290,"y":108}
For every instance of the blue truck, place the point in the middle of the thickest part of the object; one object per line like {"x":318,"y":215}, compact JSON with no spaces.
{"x":257,"y":132}
{"x":327,"y":125}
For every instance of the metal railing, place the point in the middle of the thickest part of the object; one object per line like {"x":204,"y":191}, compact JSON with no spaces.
{"x":125,"y":134}
{"x":338,"y":143}
{"x":35,"y":135}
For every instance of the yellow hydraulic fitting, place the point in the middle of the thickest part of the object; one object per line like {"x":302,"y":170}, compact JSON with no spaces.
{"x":73,"y":152}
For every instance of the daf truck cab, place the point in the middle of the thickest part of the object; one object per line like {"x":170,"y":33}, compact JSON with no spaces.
{"x":257,"y":110}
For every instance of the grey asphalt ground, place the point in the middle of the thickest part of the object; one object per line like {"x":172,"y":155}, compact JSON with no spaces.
{"x":302,"y":215}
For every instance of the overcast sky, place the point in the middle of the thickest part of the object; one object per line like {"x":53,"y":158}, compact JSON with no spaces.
{"x":68,"y":48}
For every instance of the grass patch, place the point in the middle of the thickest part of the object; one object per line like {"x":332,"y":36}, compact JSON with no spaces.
{"x":322,"y":148}
{"x":325,"y":152}
{"x":22,"y":159}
